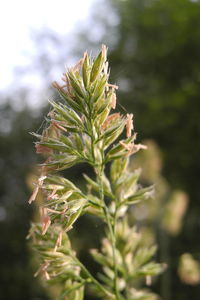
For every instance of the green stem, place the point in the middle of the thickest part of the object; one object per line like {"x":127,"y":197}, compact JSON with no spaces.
{"x":92,"y":142}
{"x":91,"y":277}
{"x":77,"y":286}
{"x":114,"y":247}
{"x":126,"y":277}
{"x":111,"y":229}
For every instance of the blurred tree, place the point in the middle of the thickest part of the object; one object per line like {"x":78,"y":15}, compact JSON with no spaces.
{"x":158,"y":57}
{"x":17,"y":157}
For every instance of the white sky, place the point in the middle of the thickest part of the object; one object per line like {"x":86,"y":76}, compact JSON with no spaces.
{"x":19,"y":17}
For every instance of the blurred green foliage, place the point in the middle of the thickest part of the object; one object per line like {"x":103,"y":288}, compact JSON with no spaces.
{"x":17,"y":158}
{"x":157,"y":57}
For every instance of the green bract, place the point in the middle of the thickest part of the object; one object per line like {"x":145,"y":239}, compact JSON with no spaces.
{"x":83,"y":129}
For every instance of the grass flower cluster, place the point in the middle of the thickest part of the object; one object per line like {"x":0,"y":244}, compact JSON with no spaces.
{"x":83,"y":129}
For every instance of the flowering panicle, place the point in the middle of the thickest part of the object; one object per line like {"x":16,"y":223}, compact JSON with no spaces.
{"x":84,"y":129}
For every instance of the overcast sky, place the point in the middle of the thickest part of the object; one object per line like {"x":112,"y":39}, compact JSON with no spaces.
{"x":19,"y":18}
